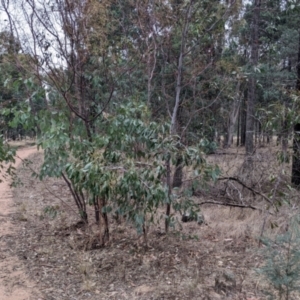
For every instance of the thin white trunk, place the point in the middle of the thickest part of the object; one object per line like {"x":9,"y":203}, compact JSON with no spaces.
{"x":179,"y":69}
{"x":176,"y":106}
{"x":233,"y":116}
{"x":252,"y":80}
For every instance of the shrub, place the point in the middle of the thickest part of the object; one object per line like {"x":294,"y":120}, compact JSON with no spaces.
{"x":282,"y":262}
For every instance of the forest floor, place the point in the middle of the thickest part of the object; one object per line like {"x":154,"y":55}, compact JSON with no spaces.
{"x":14,"y":283}
{"x":215,"y":260}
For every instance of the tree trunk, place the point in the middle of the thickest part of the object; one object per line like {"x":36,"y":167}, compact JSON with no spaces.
{"x":296,"y":157}
{"x":243,"y":119}
{"x":178,"y":89}
{"x":168,"y":205}
{"x":97,"y":210}
{"x":296,"y":142}
{"x":233,"y":117}
{"x":78,"y":198}
{"x":177,"y":178}
{"x":105,"y":234}
{"x":284,"y":136}
{"x":238,"y":130}
{"x":298,"y":65}
{"x":106,"y":224}
{"x":252,"y":83}
{"x":256,"y":132}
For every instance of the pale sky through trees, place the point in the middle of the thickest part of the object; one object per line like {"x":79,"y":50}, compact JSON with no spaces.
{"x":19,"y":21}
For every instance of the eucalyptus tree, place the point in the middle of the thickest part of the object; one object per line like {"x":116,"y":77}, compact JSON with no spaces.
{"x":12,"y":88}
{"x":261,"y":48}
{"x":279,"y":68}
{"x":9,"y":97}
{"x":96,"y":64}
{"x":72,"y":74}
{"x":254,"y":59}
{"x":180,"y":44}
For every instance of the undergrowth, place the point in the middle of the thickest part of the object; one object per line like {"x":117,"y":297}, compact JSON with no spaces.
{"x":282,"y":263}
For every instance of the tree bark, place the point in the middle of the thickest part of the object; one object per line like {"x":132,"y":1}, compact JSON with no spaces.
{"x":298,"y":66}
{"x":174,"y":116}
{"x":252,"y":82}
{"x":296,"y":142}
{"x":296,"y":157}
{"x":285,"y":135}
{"x":238,"y":129}
{"x":243,"y":116}
{"x":234,"y":114}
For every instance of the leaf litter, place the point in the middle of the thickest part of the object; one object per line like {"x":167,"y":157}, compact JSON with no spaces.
{"x":63,"y":258}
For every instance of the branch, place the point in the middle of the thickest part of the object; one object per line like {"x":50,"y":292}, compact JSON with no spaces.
{"x":52,"y":193}
{"x":247,"y":187}
{"x":74,"y":194}
{"x":64,"y":94}
{"x":230,"y":204}
{"x":105,"y":106}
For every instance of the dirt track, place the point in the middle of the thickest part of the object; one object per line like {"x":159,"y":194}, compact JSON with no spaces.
{"x":14,"y":285}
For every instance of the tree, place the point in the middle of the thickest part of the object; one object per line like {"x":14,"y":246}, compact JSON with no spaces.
{"x":96,"y":132}
{"x":252,"y":80}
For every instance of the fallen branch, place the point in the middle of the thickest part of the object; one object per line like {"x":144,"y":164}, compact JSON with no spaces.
{"x":230,"y":204}
{"x":248,"y":187}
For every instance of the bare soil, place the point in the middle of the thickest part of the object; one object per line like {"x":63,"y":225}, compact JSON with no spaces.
{"x":216,"y":260}
{"x":14,"y":283}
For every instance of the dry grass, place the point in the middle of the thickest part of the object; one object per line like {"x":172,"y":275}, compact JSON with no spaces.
{"x":184,"y":264}
{"x":22,"y":143}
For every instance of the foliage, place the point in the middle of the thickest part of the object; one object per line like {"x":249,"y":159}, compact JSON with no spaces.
{"x":125,"y":165}
{"x":282,"y":267}
{"x":92,"y":81}
{"x":128,"y":100}
{"x":7,"y":158}
{"x":14,"y":83}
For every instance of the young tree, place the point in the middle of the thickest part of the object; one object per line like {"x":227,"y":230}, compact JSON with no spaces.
{"x":97,"y":133}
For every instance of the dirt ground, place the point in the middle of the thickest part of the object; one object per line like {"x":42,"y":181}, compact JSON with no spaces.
{"x":14,"y":282}
{"x":215,"y":260}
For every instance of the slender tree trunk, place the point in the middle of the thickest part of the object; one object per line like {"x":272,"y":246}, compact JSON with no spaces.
{"x":78,"y":198}
{"x":177,"y":178}
{"x":106,"y":224}
{"x":178,"y":89}
{"x":97,"y":210}
{"x":284,"y":135}
{"x":285,"y":125}
{"x":238,"y":129}
{"x":250,"y":120}
{"x":179,"y":70}
{"x":298,"y":65}
{"x":168,"y":205}
{"x":243,"y":119}
{"x":256,"y":132}
{"x":296,"y":142}
{"x":296,"y":157}
{"x":252,"y":83}
{"x":233,"y":117}
{"x":260,"y":134}
{"x":105,"y":235}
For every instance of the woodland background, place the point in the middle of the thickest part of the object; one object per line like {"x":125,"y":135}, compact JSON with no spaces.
{"x":134,"y":103}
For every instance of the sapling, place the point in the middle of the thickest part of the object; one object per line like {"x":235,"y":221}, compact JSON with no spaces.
{"x":282,"y":262}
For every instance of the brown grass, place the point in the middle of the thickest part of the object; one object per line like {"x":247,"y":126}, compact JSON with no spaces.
{"x":184,"y":264}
